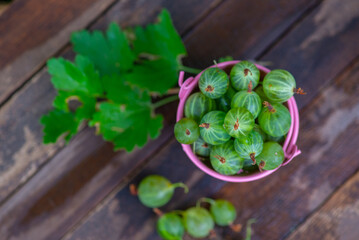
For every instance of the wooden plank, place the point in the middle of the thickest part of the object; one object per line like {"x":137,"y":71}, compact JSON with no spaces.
{"x":283,"y":200}
{"x":338,"y":218}
{"x":278,"y":202}
{"x":33,"y":30}
{"x":24,"y":154}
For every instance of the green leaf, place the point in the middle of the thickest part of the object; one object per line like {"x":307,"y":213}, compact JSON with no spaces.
{"x":67,"y":76}
{"x":58,"y":122}
{"x":110,"y":53}
{"x":85,"y":111}
{"x":159,"y":49}
{"x":127,"y":126}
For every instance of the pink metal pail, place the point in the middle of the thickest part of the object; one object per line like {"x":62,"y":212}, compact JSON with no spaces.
{"x":289,"y":147}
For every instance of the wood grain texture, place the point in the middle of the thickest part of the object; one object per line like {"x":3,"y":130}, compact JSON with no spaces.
{"x":319,"y":48}
{"x":279,"y":202}
{"x":329,"y":130}
{"x":23,"y":153}
{"x":338,"y":218}
{"x":33,"y":30}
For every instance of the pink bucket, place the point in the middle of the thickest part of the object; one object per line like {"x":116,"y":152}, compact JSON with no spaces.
{"x":289,"y":147}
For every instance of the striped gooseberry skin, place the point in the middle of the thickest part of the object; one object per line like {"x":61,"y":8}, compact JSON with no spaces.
{"x":249,"y":146}
{"x":279,"y":85}
{"x":272,"y":156}
{"x":170,"y":226}
{"x":238,"y":122}
{"x":224,"y":103}
{"x":225,"y":159}
{"x":275,"y":119}
{"x":186,"y":131}
{"x":212,"y":130}
{"x":249,"y":100}
{"x":259,"y":130}
{"x":243,"y":73}
{"x":201,"y":148}
{"x":213,"y":82}
{"x":197,"y":105}
{"x":260,"y":91}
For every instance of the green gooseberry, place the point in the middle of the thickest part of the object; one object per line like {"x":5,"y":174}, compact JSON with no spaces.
{"x":213,"y":82}
{"x":275,"y":119}
{"x":186,"y":131}
{"x":155,"y":191}
{"x":249,"y":100}
{"x":279,"y":86}
{"x":223,"y":211}
{"x":212,"y":130}
{"x":197,"y":105}
{"x":249,"y":146}
{"x":243,"y":73}
{"x":259,"y":130}
{"x":225,"y":160}
{"x":259,"y":90}
{"x":198,"y":222}
{"x":272,"y":156}
{"x":170,"y":226}
{"x":224,"y":103}
{"x":279,"y":139}
{"x":201,"y":148}
{"x":238,"y":122}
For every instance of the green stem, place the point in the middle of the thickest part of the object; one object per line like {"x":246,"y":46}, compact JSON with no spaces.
{"x":165,"y":101}
{"x":249,"y":229}
{"x":189,"y":69}
{"x":182,"y":185}
{"x":207,"y":200}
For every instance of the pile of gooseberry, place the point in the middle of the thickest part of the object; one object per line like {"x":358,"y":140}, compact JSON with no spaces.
{"x":155,"y":191}
{"x":237,"y":121}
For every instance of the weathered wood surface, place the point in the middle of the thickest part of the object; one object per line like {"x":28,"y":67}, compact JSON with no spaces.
{"x":300,"y":187}
{"x":60,"y":195}
{"x":31,"y":31}
{"x":338,"y":218}
{"x":279,"y":202}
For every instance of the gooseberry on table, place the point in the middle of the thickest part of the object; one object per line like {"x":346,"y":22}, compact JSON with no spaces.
{"x":213,"y":82}
{"x":186,"y":131}
{"x":222,"y":211}
{"x":225,"y":160}
{"x":155,"y":191}
{"x":212,"y":130}
{"x":197,"y":105}
{"x":170,"y":226}
{"x":198,"y":222}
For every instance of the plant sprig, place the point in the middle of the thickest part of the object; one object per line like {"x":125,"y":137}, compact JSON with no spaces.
{"x":113,"y":77}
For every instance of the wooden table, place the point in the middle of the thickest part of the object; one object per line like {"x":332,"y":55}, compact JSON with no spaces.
{"x":80,"y":190}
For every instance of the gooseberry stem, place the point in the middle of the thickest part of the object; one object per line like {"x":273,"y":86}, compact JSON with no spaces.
{"x":299,"y":91}
{"x":189,"y":69}
{"x":253,"y":158}
{"x":165,"y":101}
{"x":182,"y":185}
{"x":133,"y":190}
{"x":269,"y":106}
{"x":207,"y":200}
{"x":157,"y":211}
{"x":236,"y":227}
{"x":250,"y":87}
{"x":249,"y":229}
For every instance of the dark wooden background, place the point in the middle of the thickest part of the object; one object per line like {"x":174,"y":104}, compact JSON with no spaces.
{"x":80,"y":191}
